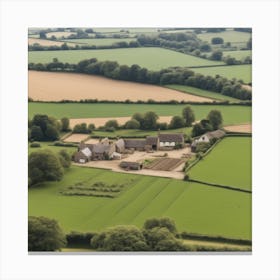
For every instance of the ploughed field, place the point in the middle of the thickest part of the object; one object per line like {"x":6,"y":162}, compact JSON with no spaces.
{"x":50,"y":86}
{"x":47,"y":43}
{"x":229,"y":163}
{"x":231,"y":114}
{"x":151,"y":58}
{"x":165,"y":164}
{"x":195,"y":208}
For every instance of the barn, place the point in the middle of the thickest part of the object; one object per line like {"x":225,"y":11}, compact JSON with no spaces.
{"x":171,"y":140}
{"x":130,"y":165}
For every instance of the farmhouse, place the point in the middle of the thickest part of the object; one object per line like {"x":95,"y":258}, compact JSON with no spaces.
{"x":171,"y":140}
{"x":130,"y":165}
{"x":83,"y":155}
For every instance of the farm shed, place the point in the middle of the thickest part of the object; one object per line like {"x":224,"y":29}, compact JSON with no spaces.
{"x":171,"y":140}
{"x":152,"y":142}
{"x":207,"y":137}
{"x":130,"y":165}
{"x":83,"y":155}
{"x":116,"y":155}
{"x":120,"y":146}
{"x":136,"y":144}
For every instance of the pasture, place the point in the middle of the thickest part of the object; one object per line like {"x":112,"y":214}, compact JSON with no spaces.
{"x":231,"y":114}
{"x":51,"y":86}
{"x":240,"y":72}
{"x":219,"y":212}
{"x":228,"y":36}
{"x":151,"y":58}
{"x":50,"y":146}
{"x":238,"y":54}
{"x":202,"y":92}
{"x":47,"y":43}
{"x":229,"y":163}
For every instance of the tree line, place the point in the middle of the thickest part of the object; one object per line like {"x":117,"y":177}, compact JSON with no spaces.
{"x":135,"y":73}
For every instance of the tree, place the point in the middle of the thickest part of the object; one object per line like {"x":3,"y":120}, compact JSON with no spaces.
{"x":197,"y":130}
{"x":44,"y":234}
{"x":42,"y":35}
{"x":112,"y":123}
{"x":51,"y":132}
{"x":150,"y":120}
{"x":215,"y":118}
{"x":91,"y":127}
{"x":65,"y":124}
{"x":44,"y":165}
{"x":164,"y":222}
{"x":36,"y":133}
{"x":64,"y":158}
{"x":121,"y":238}
{"x":217,"y":40}
{"x":217,"y":55}
{"x":188,"y":116}
{"x":132,"y":124}
{"x":177,"y":122}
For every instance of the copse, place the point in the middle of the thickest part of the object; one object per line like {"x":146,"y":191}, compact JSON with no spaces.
{"x":188,"y":115}
{"x":177,"y":122}
{"x":217,"y":40}
{"x":44,"y":234}
{"x":215,"y":118}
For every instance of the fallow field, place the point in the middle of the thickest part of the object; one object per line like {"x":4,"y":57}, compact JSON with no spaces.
{"x":229,"y":163}
{"x":219,"y":212}
{"x":50,"y":86}
{"x":151,"y":58}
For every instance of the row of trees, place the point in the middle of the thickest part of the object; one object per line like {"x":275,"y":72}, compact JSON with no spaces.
{"x":46,"y":128}
{"x":158,"y":234}
{"x":45,"y":165}
{"x":135,"y":73}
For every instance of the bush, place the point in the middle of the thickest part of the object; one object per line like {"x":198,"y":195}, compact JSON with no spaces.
{"x":112,"y":124}
{"x":132,"y":124}
{"x":164,"y":222}
{"x":35,"y":145}
{"x":202,"y":147}
{"x":186,"y":177}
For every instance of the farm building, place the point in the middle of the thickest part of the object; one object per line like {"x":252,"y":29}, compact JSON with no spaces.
{"x":171,"y":140}
{"x":120,"y":146}
{"x":152,"y":142}
{"x":83,"y":155}
{"x":136,"y":144}
{"x":130,"y":165}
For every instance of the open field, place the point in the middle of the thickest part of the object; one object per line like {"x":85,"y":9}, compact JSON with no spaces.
{"x":239,"y":128}
{"x":219,"y":212}
{"x":98,"y":42}
{"x":238,"y":54}
{"x":50,"y":86}
{"x":101,"y":121}
{"x":202,"y":92}
{"x":229,"y":163}
{"x":59,"y":34}
{"x":231,"y":114}
{"x":47,"y":43}
{"x":76,"y":137}
{"x":151,"y":58}
{"x":228,"y":36}
{"x":50,"y":146}
{"x":242,"y":72}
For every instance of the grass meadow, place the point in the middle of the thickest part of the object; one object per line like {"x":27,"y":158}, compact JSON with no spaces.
{"x":194,"y":207}
{"x":151,"y":58}
{"x":229,"y":163}
{"x":238,"y":54}
{"x":202,"y":92}
{"x":231,"y":114}
{"x":239,"y":72}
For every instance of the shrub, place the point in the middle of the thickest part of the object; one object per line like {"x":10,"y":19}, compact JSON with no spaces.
{"x":132,"y":124}
{"x":164,"y":222}
{"x":112,"y":124}
{"x":186,"y":177}
{"x":35,"y":145}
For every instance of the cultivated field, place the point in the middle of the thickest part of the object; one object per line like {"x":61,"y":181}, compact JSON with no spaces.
{"x":60,"y":34}
{"x":98,"y":42}
{"x":151,"y":58}
{"x":231,"y":114}
{"x":46,"y":43}
{"x":165,"y":164}
{"x":229,"y":163}
{"x":239,"y":128}
{"x":219,"y":212}
{"x":240,"y":72}
{"x":228,"y":36}
{"x":76,"y":137}
{"x":202,"y":92}
{"x":50,"y":86}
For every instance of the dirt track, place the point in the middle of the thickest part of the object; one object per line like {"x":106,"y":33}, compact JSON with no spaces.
{"x":101,"y":121}
{"x":50,"y":86}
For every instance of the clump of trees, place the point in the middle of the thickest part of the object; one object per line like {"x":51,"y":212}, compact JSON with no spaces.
{"x":44,"y":234}
{"x":135,"y":73}
{"x":45,"y":165}
{"x":84,"y":128}
{"x":217,"y":40}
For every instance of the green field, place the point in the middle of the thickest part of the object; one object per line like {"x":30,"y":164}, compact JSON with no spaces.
{"x":194,"y":207}
{"x":98,"y":42}
{"x":229,"y":163}
{"x":202,"y":92}
{"x":151,"y":58}
{"x":242,"y":72}
{"x":50,"y":146}
{"x":228,"y":36}
{"x":238,"y":54}
{"x":231,"y":114}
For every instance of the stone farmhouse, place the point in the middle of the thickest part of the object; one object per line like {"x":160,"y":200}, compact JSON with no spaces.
{"x":105,"y":149}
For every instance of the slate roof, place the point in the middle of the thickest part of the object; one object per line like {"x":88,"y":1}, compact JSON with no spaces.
{"x":215,"y":134}
{"x":151,"y":140}
{"x":87,"y":152}
{"x":176,"y":137}
{"x":100,"y":148}
{"x":120,"y":143}
{"x":134,"y":143}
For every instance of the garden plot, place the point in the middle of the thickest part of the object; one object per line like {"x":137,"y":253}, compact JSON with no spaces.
{"x":165,"y":164}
